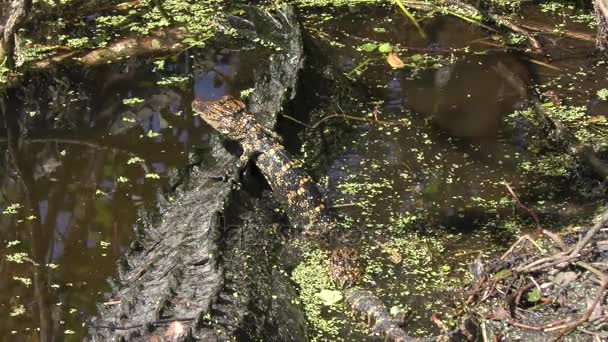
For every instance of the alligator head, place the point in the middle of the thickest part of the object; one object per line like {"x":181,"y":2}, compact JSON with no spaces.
{"x":227,"y":115}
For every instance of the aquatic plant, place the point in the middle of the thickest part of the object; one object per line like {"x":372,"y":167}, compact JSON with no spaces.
{"x":312,"y":276}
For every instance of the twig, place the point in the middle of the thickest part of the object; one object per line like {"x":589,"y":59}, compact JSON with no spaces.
{"x":83,"y":143}
{"x":344,"y":205}
{"x":525,"y":326}
{"x":296,"y":120}
{"x":410,"y":16}
{"x":598,"y":225}
{"x":543,"y":328}
{"x":539,"y":228}
{"x":488,"y":293}
{"x":600,"y":291}
{"x":546,"y":65}
{"x":558,"y":240}
{"x":113,"y":327}
{"x":525,"y":237}
{"x":346,"y":117}
{"x":549,"y":30}
{"x":543,"y":263}
{"x":567,"y":256}
{"x":520,"y":293}
{"x":114,"y":302}
{"x":540,"y":291}
{"x":500,"y":20}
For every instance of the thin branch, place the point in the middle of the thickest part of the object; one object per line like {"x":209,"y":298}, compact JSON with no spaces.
{"x":346,"y":117}
{"x":596,"y":228}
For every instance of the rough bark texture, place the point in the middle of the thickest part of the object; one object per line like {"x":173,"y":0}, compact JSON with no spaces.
{"x":278,"y":82}
{"x":14,"y":13}
{"x":170,"y":272}
{"x":205,"y":261}
{"x":601,"y":12}
{"x":161,"y":42}
{"x":208,"y":260}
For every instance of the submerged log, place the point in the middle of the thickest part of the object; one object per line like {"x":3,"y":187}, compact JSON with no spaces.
{"x":161,"y":42}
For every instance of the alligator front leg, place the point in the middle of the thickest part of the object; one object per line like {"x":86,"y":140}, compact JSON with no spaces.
{"x":241,"y":166}
{"x":235,"y":175}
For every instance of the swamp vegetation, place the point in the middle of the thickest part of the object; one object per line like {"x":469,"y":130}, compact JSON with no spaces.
{"x":463,"y":147}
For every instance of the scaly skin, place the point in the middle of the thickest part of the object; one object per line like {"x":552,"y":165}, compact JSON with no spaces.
{"x":291,"y":185}
{"x":365,"y":302}
{"x":299,"y":196}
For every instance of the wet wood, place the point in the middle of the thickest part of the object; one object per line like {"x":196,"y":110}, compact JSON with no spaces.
{"x":550,"y":30}
{"x":499,"y":20}
{"x":162,"y":42}
{"x":169,"y":41}
{"x":14,"y":14}
{"x":602,"y":7}
{"x":599,"y":166}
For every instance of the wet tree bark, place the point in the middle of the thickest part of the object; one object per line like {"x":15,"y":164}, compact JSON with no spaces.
{"x":12,"y":15}
{"x":601,"y":12}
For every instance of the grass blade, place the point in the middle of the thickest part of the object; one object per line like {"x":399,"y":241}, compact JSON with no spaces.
{"x":409,"y":15}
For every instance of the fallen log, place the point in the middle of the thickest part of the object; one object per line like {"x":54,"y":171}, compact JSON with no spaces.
{"x":204,"y":266}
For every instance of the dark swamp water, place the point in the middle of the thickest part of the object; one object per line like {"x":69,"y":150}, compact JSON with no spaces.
{"x":98,"y":147}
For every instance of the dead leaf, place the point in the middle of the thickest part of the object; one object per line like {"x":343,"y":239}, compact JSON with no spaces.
{"x":176,"y":331}
{"x":563,"y":279}
{"x":394,"y":61}
{"x":125,"y":5}
{"x":598,"y":119}
{"x":435,"y":318}
{"x":500,"y":314}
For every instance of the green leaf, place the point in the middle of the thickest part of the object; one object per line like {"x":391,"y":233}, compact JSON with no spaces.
{"x":152,"y":134}
{"x":395,"y":311}
{"x":385,"y":48}
{"x":502,"y":274}
{"x":533,"y":296}
{"x":329,"y":297}
{"x":368,"y":47}
{"x":603,"y":94}
{"x":416,"y":57}
{"x":152,"y":176}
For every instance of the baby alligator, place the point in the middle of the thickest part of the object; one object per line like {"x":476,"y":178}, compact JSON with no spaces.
{"x":291,"y":185}
{"x":299,"y":195}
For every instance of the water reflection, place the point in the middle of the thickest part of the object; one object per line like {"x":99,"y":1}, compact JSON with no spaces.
{"x":72,"y":186}
{"x":469,"y":98}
